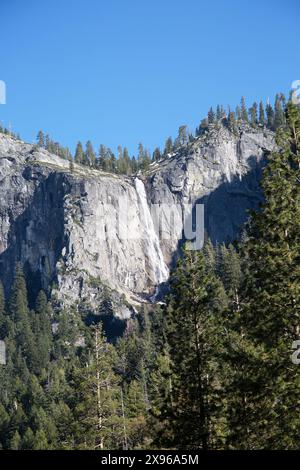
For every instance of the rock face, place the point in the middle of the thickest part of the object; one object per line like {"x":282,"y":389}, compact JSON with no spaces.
{"x":88,"y":237}
{"x":220,"y":170}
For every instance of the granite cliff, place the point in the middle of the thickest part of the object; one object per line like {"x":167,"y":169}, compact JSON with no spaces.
{"x":65,"y":223}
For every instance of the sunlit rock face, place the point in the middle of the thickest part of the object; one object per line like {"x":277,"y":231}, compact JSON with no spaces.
{"x":220,"y":170}
{"x":89,"y":237}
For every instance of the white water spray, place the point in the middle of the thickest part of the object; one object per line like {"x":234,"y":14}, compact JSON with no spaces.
{"x":150,"y":236}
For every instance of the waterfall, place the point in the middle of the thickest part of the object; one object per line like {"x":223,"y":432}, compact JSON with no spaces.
{"x":150,"y":237}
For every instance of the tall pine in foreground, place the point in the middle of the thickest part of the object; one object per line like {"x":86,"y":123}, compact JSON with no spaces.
{"x":97,"y":415}
{"x":194,"y":316}
{"x":20,"y":314}
{"x":265,"y":390}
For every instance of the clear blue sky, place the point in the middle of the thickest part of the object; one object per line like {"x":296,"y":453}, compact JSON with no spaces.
{"x":125,"y":71}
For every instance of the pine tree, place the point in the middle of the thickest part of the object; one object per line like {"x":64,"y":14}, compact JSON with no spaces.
{"x":19,"y":311}
{"x":42,"y":330}
{"x":144,"y":159}
{"x":15,"y":442}
{"x":270,"y":116}
{"x":261,"y":118}
{"x":156,"y":155}
{"x":232,"y":124}
{"x":231,"y":273}
{"x":182,"y":138}
{"x":40,"y":440}
{"x":168,"y":146}
{"x":97,"y":421}
{"x":135,"y":413}
{"x":28,"y":439}
{"x":210,"y":256}
{"x":279,"y":118}
{"x":238,"y":113}
{"x":244,"y":113}
{"x":40,"y":139}
{"x":253,"y":114}
{"x":219,"y":113}
{"x":194,"y":326}
{"x":266,"y":383}
{"x":3,"y":317}
{"x":203,"y":125}
{"x":89,"y":156}
{"x":211,"y":117}
{"x":127,"y":162}
{"x":79,"y":154}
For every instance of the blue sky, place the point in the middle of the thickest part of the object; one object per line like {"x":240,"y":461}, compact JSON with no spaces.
{"x":125,"y":71}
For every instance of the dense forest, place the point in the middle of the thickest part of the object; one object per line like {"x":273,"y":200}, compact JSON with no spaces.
{"x":210,"y":368}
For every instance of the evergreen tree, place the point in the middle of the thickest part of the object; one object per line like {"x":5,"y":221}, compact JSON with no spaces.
{"x":168,"y":146}
{"x":211,"y":117}
{"x":102,"y":158}
{"x":194,"y":326}
{"x":28,"y":439}
{"x":144,"y":159}
{"x":279,"y":118}
{"x":19,"y":311}
{"x":261,"y":118}
{"x":90,"y":156}
{"x":98,"y":401}
{"x":127,"y":162}
{"x":232,"y":121}
{"x":219,"y":113}
{"x":79,"y":154}
{"x":270,"y":116}
{"x":42,"y":331}
{"x":15,"y":443}
{"x":203,"y":125}
{"x":182,"y":138}
{"x":238,"y":113}
{"x":40,"y":139}
{"x":253,"y":114}
{"x":156,"y":155}
{"x":3,"y":317}
{"x":244,"y":113}
{"x":40,"y":440}
{"x":231,"y":273}
{"x":266,"y":387}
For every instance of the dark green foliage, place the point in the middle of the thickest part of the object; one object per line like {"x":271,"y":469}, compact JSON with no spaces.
{"x":194,"y":327}
{"x":156,"y":155}
{"x":279,"y":118}
{"x":106,"y":160}
{"x":40,"y":139}
{"x":211,"y":116}
{"x":182,"y":138}
{"x":270,"y":116}
{"x":3,"y":317}
{"x":261,"y":118}
{"x":79,"y":154}
{"x":21,"y":317}
{"x":268,"y":388}
{"x":89,"y":155}
{"x":232,"y":124}
{"x":244,"y":113}
{"x":253,"y":114}
{"x":209,"y":369}
{"x":168,"y":146}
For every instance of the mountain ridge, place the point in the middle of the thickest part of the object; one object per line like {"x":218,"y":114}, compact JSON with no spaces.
{"x":51,"y":221}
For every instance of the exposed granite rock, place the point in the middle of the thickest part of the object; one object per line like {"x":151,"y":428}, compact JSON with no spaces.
{"x":61,"y":222}
{"x":220,"y":170}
